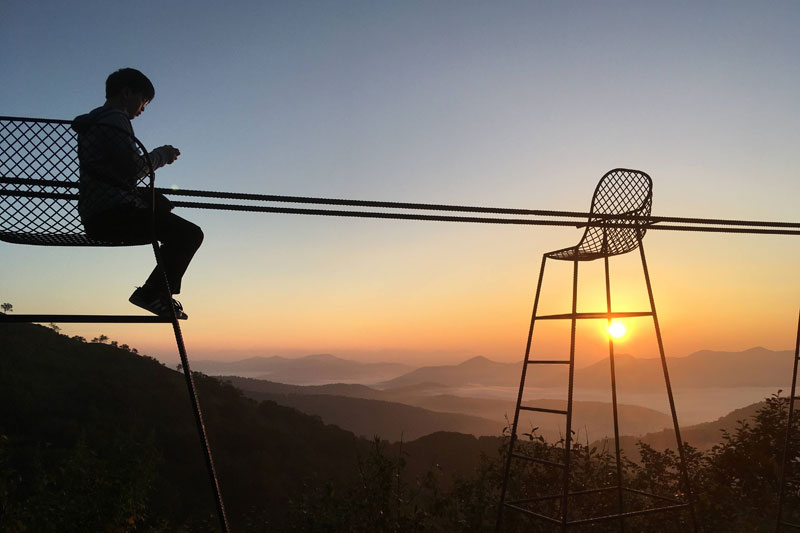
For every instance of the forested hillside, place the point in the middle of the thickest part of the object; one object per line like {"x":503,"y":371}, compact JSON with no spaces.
{"x":93,"y":434}
{"x":94,"y":437}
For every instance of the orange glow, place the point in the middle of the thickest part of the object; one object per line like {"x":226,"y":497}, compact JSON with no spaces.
{"x":616,"y":329}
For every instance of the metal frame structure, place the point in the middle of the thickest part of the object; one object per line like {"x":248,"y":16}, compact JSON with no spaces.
{"x":627,"y":194}
{"x":39,"y":171}
{"x":787,"y":447}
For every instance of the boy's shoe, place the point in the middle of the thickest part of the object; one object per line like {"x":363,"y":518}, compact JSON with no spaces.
{"x":154,"y":302}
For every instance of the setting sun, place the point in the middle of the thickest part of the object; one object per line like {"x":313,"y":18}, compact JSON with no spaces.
{"x":616,"y":329}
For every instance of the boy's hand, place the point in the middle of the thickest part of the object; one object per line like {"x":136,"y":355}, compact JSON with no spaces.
{"x":169,"y":152}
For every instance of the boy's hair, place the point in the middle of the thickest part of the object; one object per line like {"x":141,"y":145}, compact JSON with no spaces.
{"x":133,"y":80}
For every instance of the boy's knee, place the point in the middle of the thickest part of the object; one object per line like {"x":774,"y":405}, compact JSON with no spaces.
{"x":196,"y":237}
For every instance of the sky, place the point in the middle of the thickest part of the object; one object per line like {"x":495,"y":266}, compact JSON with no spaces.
{"x":507,"y":104}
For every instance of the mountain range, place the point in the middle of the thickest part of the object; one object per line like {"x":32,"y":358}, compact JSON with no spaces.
{"x":756,"y":367}
{"x":311,"y":369}
{"x":94,"y":438}
{"x":409,"y":413}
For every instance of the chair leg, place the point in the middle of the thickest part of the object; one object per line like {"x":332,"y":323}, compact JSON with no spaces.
{"x":614,"y":400}
{"x":198,"y":414}
{"x":789,"y":423}
{"x":679,"y":441}
{"x":513,"y":436}
{"x":568,"y":436}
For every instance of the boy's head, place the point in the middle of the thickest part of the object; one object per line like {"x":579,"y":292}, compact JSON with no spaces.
{"x":133,"y":80}
{"x":131,"y":88}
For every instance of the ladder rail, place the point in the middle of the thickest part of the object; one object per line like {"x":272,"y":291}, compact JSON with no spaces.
{"x":513,"y":436}
{"x":788,"y":439}
{"x":570,"y":393}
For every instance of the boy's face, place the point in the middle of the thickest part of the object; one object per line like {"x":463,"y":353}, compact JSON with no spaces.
{"x":134,"y":104}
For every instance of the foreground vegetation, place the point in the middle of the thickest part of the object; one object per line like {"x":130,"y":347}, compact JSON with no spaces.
{"x":96,"y":438}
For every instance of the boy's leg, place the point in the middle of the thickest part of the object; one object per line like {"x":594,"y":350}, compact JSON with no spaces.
{"x":179,"y":239}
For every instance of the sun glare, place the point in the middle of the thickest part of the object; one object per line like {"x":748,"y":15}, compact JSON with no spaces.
{"x":616,"y":329}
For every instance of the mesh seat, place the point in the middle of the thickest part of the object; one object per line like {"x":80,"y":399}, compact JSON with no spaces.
{"x":620,"y":192}
{"x":39,"y":180}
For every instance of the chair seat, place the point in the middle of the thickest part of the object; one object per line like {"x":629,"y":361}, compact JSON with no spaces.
{"x":40,"y":176}
{"x":623,"y":193}
{"x":574,"y":253}
{"x":66,"y":239}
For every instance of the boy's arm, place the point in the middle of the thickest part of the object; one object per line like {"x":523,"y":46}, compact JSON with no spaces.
{"x":163,"y":155}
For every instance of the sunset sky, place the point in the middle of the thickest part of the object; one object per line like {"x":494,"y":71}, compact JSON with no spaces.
{"x":508,"y":104}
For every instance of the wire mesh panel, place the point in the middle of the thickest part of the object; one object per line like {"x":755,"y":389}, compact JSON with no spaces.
{"x":619,"y":192}
{"x":40,"y":179}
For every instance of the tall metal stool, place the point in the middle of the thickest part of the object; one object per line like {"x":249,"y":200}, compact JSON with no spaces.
{"x":617,"y":223}
{"x":790,"y":467}
{"x":39,"y":171}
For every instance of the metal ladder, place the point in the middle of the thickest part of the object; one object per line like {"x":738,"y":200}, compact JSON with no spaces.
{"x":562,"y":520}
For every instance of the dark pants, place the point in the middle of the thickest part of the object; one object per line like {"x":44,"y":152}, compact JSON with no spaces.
{"x":179,"y":239}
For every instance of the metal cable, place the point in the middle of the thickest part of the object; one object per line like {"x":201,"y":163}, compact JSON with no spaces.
{"x":460,"y":208}
{"x":487,"y":220}
{"x":716,"y":225}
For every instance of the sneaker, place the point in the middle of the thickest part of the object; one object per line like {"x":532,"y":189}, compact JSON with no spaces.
{"x":154,"y":302}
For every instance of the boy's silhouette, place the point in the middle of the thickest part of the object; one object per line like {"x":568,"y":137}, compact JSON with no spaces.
{"x":112,"y":207}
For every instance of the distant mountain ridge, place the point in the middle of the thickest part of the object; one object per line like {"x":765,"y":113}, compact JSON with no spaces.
{"x":475,"y":371}
{"x":308,"y":370}
{"x":755,"y":367}
{"x":706,"y":368}
{"x":702,"y":436}
{"x":409,"y":413}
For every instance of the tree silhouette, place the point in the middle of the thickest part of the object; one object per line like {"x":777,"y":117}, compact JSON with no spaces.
{"x":6,"y":307}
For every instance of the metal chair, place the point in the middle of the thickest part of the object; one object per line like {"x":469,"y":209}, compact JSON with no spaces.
{"x":617,"y":224}
{"x":39,"y":181}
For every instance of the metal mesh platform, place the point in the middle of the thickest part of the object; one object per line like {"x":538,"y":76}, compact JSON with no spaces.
{"x":39,"y":180}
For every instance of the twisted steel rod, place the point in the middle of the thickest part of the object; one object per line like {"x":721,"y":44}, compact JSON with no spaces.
{"x":712,"y":225}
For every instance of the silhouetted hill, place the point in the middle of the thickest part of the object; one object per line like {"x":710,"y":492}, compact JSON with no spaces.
{"x":96,"y":438}
{"x":754,"y":367}
{"x":312,"y":369}
{"x":701,"y":436}
{"x":445,"y":452}
{"x":121,"y":425}
{"x":476,"y":371}
{"x":356,"y":408}
{"x":388,"y":420}
{"x":272,"y":387}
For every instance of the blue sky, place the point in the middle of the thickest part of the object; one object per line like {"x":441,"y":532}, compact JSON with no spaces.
{"x":516,"y":104}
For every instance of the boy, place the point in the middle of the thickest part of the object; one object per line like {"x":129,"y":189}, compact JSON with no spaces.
{"x":112,"y":208}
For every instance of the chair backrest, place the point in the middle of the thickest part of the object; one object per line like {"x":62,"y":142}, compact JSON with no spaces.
{"x":620,"y":191}
{"x":39,"y":179}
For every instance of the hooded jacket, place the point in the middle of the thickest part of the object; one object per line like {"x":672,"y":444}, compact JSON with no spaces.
{"x":111,"y":162}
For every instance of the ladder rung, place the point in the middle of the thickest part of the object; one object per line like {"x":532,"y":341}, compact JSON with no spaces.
{"x":549,"y":362}
{"x":795,"y":480}
{"x":536,"y":460}
{"x":86,"y":319}
{"x":531,"y":513}
{"x":790,"y":524}
{"x":594,"y":315}
{"x":543,"y":410}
